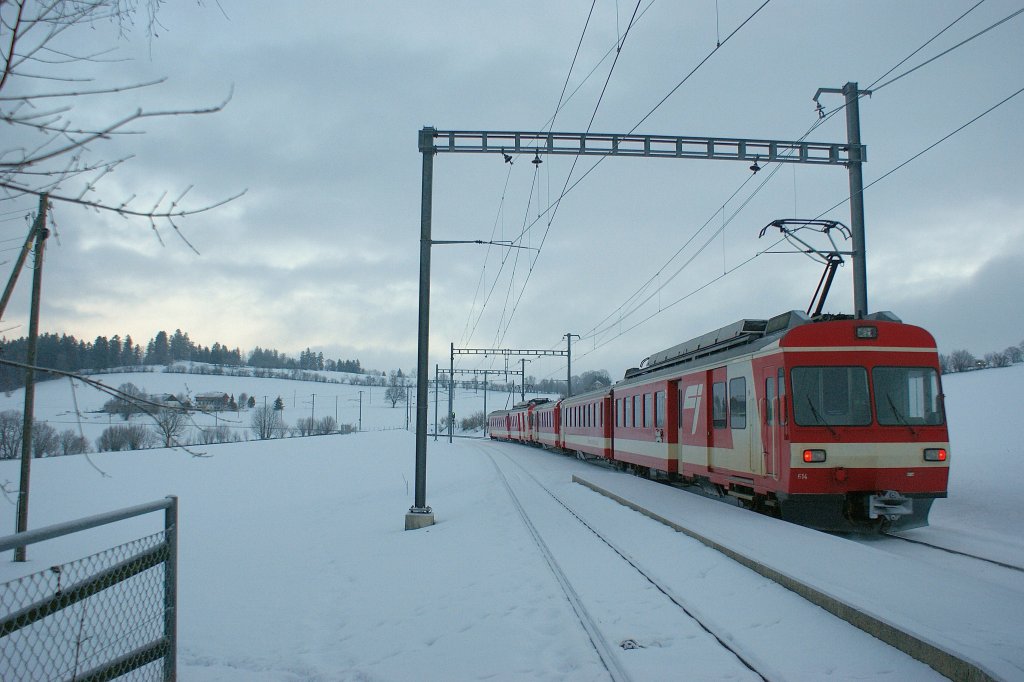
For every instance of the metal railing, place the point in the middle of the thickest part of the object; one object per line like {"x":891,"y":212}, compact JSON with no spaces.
{"x":96,"y":618}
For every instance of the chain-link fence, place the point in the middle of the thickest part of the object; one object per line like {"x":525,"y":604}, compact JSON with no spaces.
{"x":110,"y":615}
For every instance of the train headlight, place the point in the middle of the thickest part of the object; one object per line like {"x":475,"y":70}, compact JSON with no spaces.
{"x":935,"y":454}
{"x":867,"y":332}
{"x":814,"y":456}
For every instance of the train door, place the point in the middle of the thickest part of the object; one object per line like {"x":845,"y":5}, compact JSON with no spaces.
{"x":771,"y":418}
{"x":694,"y":420}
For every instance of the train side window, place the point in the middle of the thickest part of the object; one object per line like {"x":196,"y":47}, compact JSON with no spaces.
{"x":628,"y":413}
{"x":718,"y":405}
{"x":769,"y":401}
{"x":659,"y":410}
{"x":738,"y":403}
{"x":618,"y":408}
{"x":648,"y":411}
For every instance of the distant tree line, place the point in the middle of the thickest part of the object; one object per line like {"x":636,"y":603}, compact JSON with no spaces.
{"x":66,"y":353}
{"x":962,"y":360}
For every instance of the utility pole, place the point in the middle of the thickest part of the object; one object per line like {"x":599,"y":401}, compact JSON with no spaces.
{"x":360,"y":410}
{"x":41,"y":233}
{"x":420,"y":515}
{"x":522,"y":392}
{"x":568,"y":354}
{"x":853,"y":165}
{"x":23,"y":255}
{"x":451,"y":392}
{"x":312,"y":413}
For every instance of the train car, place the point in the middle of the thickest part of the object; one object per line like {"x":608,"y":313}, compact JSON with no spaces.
{"x":644,"y":435}
{"x":519,"y":429}
{"x":587,"y":425}
{"x":547,"y":420}
{"x":499,"y":425}
{"x":835,"y":423}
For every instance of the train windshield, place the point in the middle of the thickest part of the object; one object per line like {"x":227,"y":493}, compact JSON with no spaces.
{"x":831,"y":396}
{"x":907,"y":396}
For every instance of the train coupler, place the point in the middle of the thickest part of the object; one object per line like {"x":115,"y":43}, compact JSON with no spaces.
{"x":890,"y":505}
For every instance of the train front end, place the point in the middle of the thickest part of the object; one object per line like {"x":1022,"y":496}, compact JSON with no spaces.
{"x":862,"y":434}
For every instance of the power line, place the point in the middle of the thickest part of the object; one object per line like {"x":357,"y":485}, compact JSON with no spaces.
{"x":572,"y":168}
{"x":824,"y":118}
{"x":930,"y":147}
{"x":568,"y":188}
{"x":945,"y":52}
{"x":562,"y":101}
{"x":826,"y":211}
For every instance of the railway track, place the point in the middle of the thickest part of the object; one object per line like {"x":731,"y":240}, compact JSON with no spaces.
{"x":653,"y":603}
{"x":605,"y":648}
{"x":948,"y":550}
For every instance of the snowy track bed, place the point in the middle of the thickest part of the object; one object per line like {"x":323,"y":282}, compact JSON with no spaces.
{"x":965,"y":634}
{"x":677,"y":605}
{"x":970,"y":553}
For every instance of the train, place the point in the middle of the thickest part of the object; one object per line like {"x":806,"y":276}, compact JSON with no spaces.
{"x":829,"y":421}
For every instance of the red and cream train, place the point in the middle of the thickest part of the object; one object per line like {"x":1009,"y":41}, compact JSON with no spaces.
{"x":832,"y":423}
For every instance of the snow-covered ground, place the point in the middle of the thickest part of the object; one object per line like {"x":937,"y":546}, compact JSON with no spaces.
{"x":294,"y":564}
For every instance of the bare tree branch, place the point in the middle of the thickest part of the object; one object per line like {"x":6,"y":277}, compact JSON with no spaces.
{"x":48,"y":150}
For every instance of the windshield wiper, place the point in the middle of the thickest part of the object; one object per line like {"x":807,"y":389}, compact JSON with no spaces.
{"x":898,"y":415}
{"x":817,"y":416}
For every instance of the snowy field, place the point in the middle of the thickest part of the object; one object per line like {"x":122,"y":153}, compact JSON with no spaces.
{"x":294,"y":564}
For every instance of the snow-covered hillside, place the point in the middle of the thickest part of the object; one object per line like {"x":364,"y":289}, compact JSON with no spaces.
{"x":294,"y":564}
{"x":347,"y":403}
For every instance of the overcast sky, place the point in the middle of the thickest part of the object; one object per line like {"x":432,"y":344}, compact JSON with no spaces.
{"x":321,"y":131}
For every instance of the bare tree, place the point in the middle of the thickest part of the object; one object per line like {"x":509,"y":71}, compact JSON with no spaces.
{"x":45,"y":77}
{"x":1015,"y":354}
{"x":474,"y":422}
{"x":170,"y":424}
{"x":997,"y":359}
{"x":45,"y":441}
{"x":267,"y":422}
{"x":213,"y":434}
{"x":72,"y":443}
{"x":129,"y":400}
{"x":306,"y":426}
{"x":961,"y":360}
{"x":11,"y":425}
{"x":325,"y":425}
{"x":395,"y":394}
{"x":124,"y":437}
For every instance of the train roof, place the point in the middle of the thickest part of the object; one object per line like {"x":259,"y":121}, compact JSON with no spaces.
{"x":742,"y":336}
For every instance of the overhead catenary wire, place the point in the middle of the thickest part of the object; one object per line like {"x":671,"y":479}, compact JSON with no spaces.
{"x":567,"y":187}
{"x":549,"y":124}
{"x":831,"y":113}
{"x":823,"y":213}
{"x":568,"y":178}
